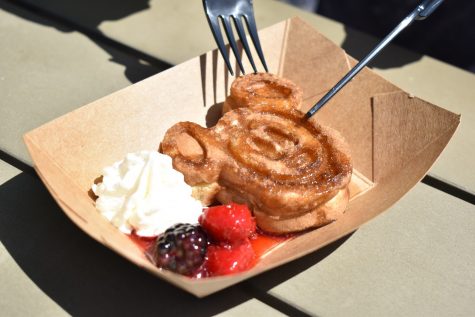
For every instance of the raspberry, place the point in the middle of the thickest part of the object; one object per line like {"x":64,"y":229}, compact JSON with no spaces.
{"x":228,"y":259}
{"x":228,"y":223}
{"x":181,"y":248}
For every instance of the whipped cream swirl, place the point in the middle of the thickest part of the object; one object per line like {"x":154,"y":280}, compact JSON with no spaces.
{"x":144,"y":194}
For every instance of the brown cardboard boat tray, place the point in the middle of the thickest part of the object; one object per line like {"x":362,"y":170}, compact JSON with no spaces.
{"x":394,"y":138}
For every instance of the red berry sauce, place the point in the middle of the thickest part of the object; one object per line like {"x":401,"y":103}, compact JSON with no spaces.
{"x":234,"y":244}
{"x":261,"y":243}
{"x":144,"y":243}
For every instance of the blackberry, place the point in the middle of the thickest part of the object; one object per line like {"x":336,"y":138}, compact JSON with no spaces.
{"x":181,"y":248}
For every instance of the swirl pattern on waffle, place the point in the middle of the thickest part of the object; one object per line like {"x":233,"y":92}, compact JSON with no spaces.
{"x":281,"y":165}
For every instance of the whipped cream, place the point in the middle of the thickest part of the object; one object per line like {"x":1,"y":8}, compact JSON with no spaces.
{"x":144,"y":193}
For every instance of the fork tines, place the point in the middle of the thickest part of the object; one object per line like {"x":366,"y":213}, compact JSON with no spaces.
{"x":237,"y":11}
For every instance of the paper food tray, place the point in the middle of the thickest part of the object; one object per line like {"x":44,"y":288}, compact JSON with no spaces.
{"x":394,"y":138}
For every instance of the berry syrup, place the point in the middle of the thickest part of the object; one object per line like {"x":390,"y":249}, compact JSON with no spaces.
{"x":226,"y":241}
{"x":261,"y":243}
{"x":144,"y":243}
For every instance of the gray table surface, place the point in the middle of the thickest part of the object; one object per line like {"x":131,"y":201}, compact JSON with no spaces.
{"x":415,"y":259}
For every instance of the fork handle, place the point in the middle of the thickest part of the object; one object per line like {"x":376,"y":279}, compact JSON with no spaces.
{"x":427,"y":7}
{"x":420,"y":13}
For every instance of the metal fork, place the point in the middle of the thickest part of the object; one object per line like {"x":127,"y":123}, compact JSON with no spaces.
{"x":422,"y":11}
{"x":237,"y":11}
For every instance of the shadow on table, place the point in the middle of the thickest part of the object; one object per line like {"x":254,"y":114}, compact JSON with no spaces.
{"x":358,"y":45}
{"x":445,"y":35}
{"x":87,"y":279}
{"x":85,"y":17}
